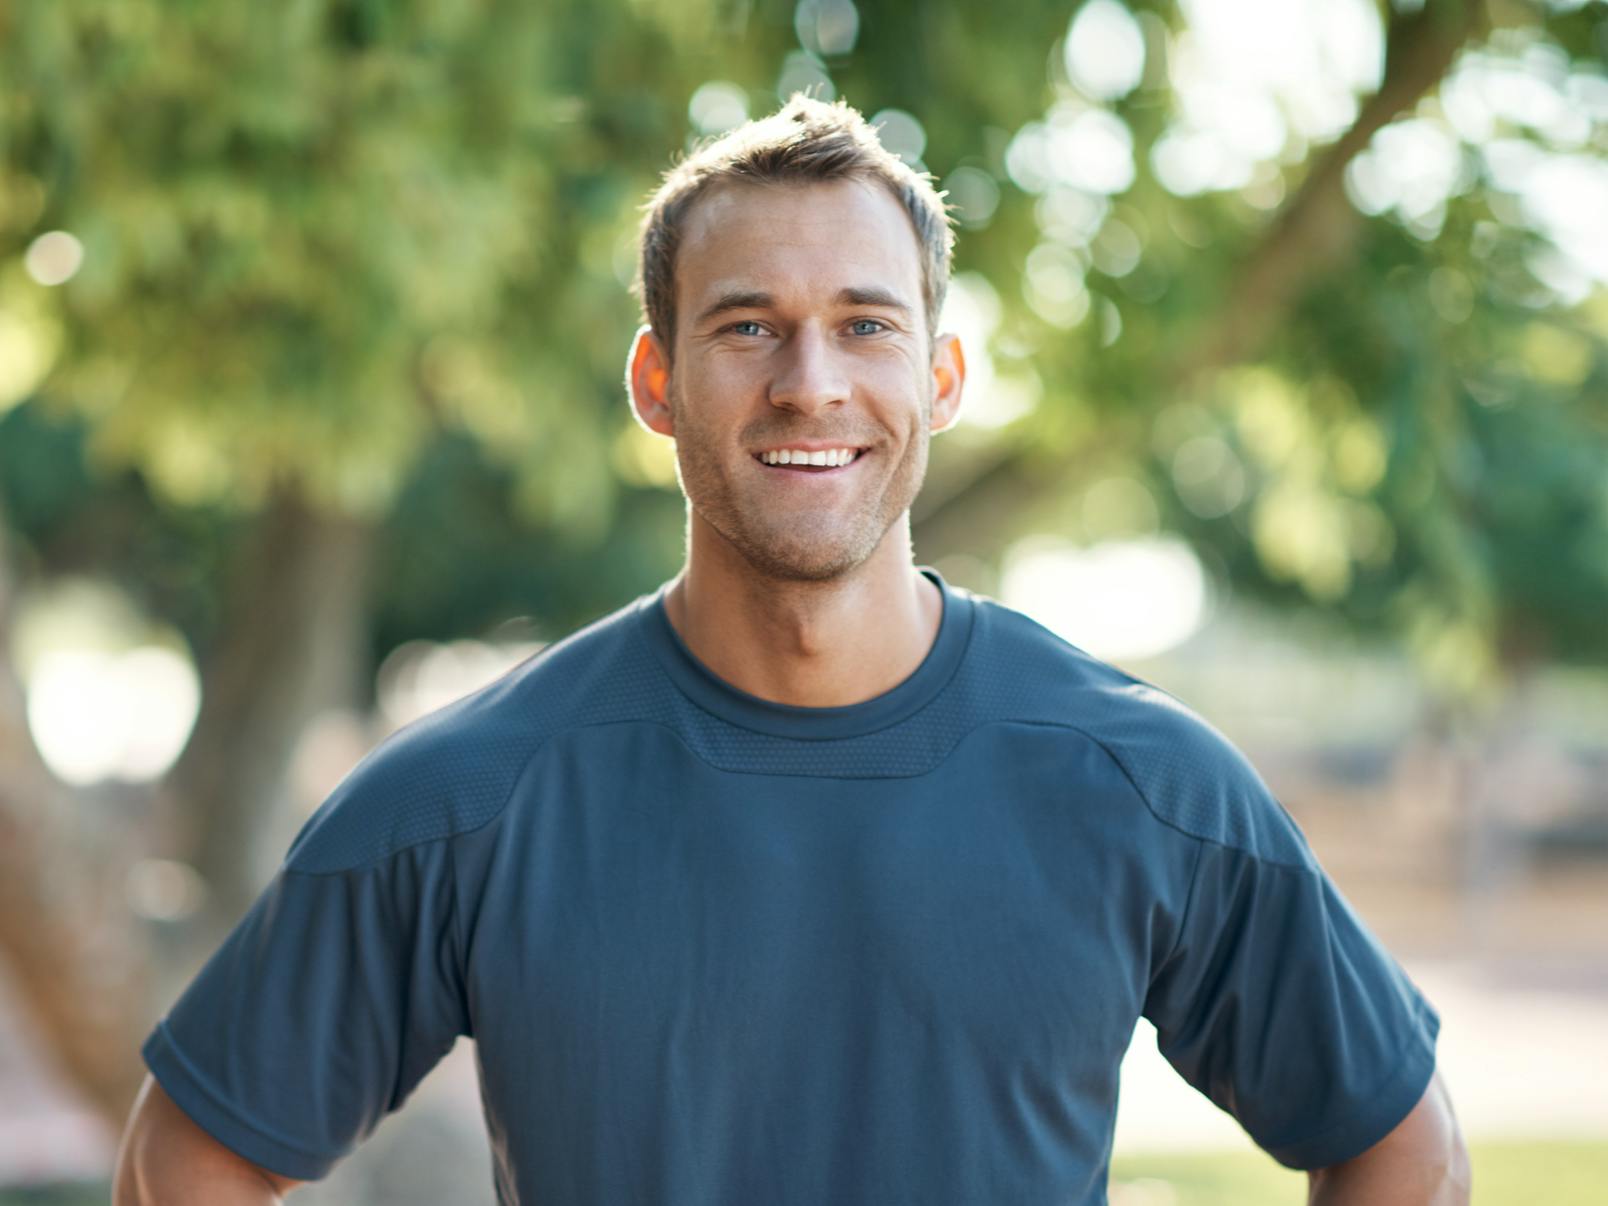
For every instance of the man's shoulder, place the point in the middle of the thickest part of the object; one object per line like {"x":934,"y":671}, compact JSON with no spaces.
{"x":1188,"y":774}
{"x":453,"y":770}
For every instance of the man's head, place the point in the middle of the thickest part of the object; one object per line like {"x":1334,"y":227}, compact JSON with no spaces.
{"x":806,"y":141}
{"x":791,"y":293}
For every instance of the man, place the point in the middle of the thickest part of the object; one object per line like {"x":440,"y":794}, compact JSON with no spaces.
{"x":809,"y":877}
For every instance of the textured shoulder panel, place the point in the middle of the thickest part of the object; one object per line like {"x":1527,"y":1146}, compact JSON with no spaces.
{"x":455,"y":769}
{"x":1188,"y":773}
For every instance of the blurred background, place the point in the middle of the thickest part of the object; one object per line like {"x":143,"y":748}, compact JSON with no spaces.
{"x":1288,"y":332}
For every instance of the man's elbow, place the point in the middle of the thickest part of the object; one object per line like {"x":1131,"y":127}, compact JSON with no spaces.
{"x":1422,"y":1162}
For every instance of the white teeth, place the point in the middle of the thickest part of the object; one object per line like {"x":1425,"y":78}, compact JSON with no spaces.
{"x":828,"y":457}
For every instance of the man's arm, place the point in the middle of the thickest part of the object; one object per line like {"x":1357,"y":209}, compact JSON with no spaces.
{"x":1421,"y":1163}
{"x":167,"y":1159}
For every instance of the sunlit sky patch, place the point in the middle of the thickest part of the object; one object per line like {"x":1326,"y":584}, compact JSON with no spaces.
{"x":1257,"y":80}
{"x":417,"y":677}
{"x":972,"y":311}
{"x":108,"y":694}
{"x":96,"y":715}
{"x":1119,"y":600}
{"x":1258,"y":83}
{"x":1520,"y":115}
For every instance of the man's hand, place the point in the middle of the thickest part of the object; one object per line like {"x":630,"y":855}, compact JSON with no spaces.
{"x":1421,"y":1163}
{"x":166,"y":1158}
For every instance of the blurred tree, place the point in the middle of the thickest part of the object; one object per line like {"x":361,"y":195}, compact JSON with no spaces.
{"x":318,"y":241}
{"x":340,"y":364}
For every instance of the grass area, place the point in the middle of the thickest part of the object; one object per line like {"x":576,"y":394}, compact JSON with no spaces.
{"x":1559,"y":1173}
{"x":87,"y":1194}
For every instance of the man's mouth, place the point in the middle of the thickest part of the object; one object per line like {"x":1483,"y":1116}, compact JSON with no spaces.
{"x":800,"y":461}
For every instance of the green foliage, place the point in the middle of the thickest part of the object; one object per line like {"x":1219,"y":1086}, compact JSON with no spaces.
{"x":319,"y":236}
{"x":379,"y":251}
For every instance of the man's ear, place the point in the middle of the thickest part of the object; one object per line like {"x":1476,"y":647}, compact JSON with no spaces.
{"x":647,"y":379}
{"x":948,"y":375}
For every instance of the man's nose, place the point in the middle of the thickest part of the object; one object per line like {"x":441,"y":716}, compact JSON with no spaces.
{"x":809,"y":373}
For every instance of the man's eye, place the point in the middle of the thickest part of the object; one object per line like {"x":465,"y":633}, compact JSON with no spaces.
{"x":868,"y":326}
{"x":746,"y":327}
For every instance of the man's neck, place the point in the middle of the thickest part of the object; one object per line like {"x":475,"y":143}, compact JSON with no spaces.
{"x":809,"y":644}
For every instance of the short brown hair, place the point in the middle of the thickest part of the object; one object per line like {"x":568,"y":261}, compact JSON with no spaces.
{"x":806,"y":140}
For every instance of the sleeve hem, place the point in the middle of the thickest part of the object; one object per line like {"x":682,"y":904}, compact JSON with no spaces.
{"x":212,"y":1113}
{"x":1393,"y":1102}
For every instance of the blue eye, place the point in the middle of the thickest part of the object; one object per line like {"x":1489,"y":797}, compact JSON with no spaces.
{"x":875,"y":325}
{"x":737,"y":327}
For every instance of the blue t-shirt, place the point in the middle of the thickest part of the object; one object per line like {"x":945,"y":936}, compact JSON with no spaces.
{"x":718,"y":950}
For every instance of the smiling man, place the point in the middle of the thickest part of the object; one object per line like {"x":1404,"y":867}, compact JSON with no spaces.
{"x":801,"y":387}
{"x":808,"y":877}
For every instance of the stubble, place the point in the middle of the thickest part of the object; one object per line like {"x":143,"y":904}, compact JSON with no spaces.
{"x":790,"y":543}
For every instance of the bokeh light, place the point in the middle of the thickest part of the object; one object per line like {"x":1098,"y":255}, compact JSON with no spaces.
{"x":901,"y":134}
{"x":718,"y":106}
{"x":827,"y":27}
{"x":126,"y":715}
{"x":54,"y":258}
{"x":1105,"y":50}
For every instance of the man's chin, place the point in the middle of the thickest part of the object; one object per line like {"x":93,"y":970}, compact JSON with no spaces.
{"x":796,"y":563}
{"x":818,"y":551}
{"x":794,"y":570}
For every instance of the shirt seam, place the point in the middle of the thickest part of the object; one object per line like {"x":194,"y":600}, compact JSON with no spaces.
{"x":1182,"y":928}
{"x":1200,"y":842}
{"x":1301,"y":865}
{"x":496,"y":815}
{"x":549,"y":738}
{"x":461,"y":961}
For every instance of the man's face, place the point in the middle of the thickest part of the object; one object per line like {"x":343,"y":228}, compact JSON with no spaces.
{"x":800,"y":326}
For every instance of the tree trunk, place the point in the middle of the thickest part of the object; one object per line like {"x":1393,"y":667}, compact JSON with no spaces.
{"x":293,"y":643}
{"x":77,"y":955}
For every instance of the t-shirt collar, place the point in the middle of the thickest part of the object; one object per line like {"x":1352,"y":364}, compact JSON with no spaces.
{"x":714,"y":694}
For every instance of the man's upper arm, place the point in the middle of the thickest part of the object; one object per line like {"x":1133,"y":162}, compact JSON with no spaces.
{"x":1421,"y":1161}
{"x":1280,"y":1006}
{"x":338,"y":990}
{"x":165,"y":1154}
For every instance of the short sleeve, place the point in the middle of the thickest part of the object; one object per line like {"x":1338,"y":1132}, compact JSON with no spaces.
{"x":1279,"y":1005}
{"x":319,"y":1013}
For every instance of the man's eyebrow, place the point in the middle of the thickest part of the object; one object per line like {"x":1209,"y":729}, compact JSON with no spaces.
{"x":737,"y":299}
{"x":872,"y":295}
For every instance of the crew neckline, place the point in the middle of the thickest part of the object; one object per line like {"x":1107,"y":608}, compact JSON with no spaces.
{"x":729,"y":702}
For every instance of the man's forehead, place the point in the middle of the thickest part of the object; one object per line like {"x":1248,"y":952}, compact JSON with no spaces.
{"x":726,"y":201}
{"x":832,"y":235}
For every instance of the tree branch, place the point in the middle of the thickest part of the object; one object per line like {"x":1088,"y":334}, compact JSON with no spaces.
{"x":1316,"y":229}
{"x":1318,"y":226}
